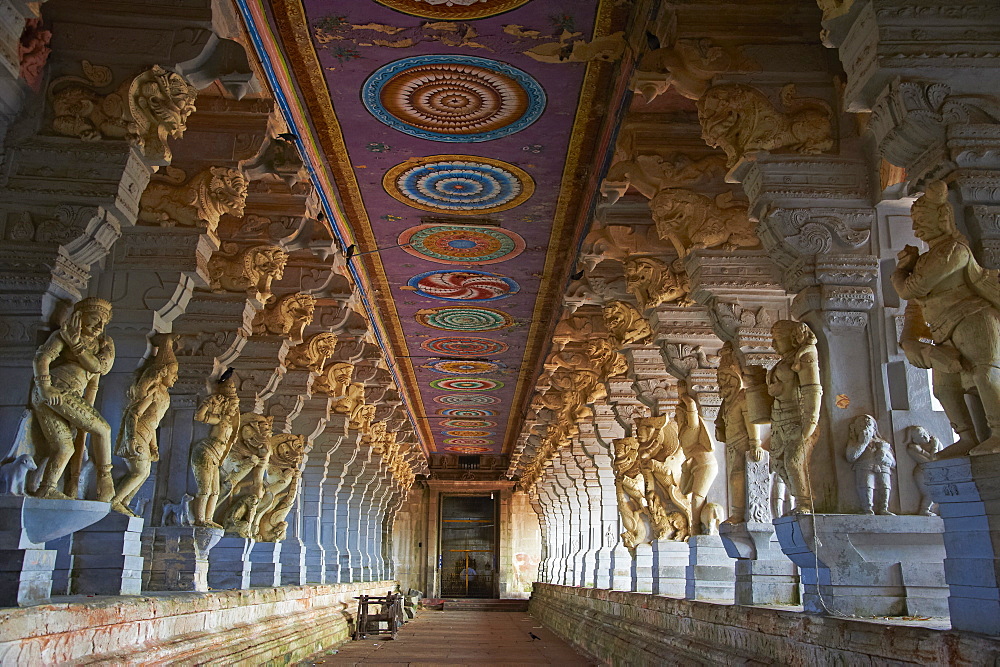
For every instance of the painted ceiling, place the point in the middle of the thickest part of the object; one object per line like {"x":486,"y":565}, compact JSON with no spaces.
{"x":457,"y":138}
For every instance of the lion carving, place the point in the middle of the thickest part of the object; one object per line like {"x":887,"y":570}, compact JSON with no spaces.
{"x":740,"y":119}
{"x":199,"y":203}
{"x":289,"y":315}
{"x":652,"y":282}
{"x":251,"y":270}
{"x":692,"y":221}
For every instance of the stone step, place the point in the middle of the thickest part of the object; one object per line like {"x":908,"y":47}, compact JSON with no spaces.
{"x":485,"y":605}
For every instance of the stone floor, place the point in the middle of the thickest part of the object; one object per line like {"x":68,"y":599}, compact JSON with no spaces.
{"x":458,"y":638}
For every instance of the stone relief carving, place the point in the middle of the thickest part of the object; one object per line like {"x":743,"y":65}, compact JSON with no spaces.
{"x":221,"y":410}
{"x":335,"y":380}
{"x":699,"y":468}
{"x":280,"y":488}
{"x":692,"y":221}
{"x":683,"y":358}
{"x":148,"y":110}
{"x":952,"y":319}
{"x":923,"y":448}
{"x":625,"y":323}
{"x":873,"y":462}
{"x":630,"y":492}
{"x":734,"y":427}
{"x":793,"y":385}
{"x":810,"y":232}
{"x":201,"y":202}
{"x":242,"y":474}
{"x":312,"y":354}
{"x":33,"y":52}
{"x":67,"y":369}
{"x":649,"y":174}
{"x":146,"y":402}
{"x":287,"y":316}
{"x":687,"y":66}
{"x":661,"y":460}
{"x":280,"y":159}
{"x":740,"y":119}
{"x":652,"y":282}
{"x":731,"y":317}
{"x":251,"y":270}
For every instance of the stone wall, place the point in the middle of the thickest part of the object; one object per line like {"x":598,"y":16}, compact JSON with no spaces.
{"x":622,"y":628}
{"x":285,"y":625}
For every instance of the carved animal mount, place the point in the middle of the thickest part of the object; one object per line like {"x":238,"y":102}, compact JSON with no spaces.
{"x":625,"y":323}
{"x":652,"y":282}
{"x":691,"y":221}
{"x":313,"y":353}
{"x":146,"y":111}
{"x":740,"y":119}
{"x":201,"y":202}
{"x":288,"y":315}
{"x":178,"y":514}
{"x":251,"y":270}
{"x":649,"y":174}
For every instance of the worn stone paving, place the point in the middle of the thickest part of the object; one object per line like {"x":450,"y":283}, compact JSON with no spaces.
{"x":458,"y":638}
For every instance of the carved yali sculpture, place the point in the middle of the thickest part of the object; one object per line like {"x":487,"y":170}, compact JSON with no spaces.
{"x":649,"y":174}
{"x":630,"y":492}
{"x":873,"y":464}
{"x":740,"y":119}
{"x":335,"y":380}
{"x":242,"y":474}
{"x":734,"y":427}
{"x":625,"y":323}
{"x":794,"y":386}
{"x":199,"y":203}
{"x":652,"y":282}
{"x":280,"y":486}
{"x":147,"y":111}
{"x":691,"y":221}
{"x":956,"y":303}
{"x":660,"y":460}
{"x":313,"y":353}
{"x":699,"y":468}
{"x":222,"y":411}
{"x":146,"y":402}
{"x":923,"y":448}
{"x":251,"y":270}
{"x":288,"y":316}
{"x":67,"y":368}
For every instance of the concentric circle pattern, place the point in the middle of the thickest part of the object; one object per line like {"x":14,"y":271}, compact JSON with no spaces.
{"x":466,"y":412}
{"x":458,"y":318}
{"x":453,"y":98}
{"x":467,"y":441}
{"x":466,"y":384}
{"x":466,"y":433}
{"x":465,"y":449}
{"x":458,"y":184}
{"x":463,"y":285}
{"x":468,"y":423}
{"x":466,"y":399}
{"x":450,"y":244}
{"x":454,"y":346}
{"x":461,"y":367}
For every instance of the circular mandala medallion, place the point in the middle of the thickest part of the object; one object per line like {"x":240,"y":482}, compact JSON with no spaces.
{"x":458,"y":184}
{"x":466,"y":412}
{"x":466,"y":384}
{"x":459,"y":367}
{"x":467,"y":441}
{"x":465,"y":449}
{"x":465,"y":285}
{"x":457,"y":318}
{"x":464,"y":433}
{"x":453,"y":98}
{"x":447,"y":244}
{"x":454,"y":346}
{"x":466,"y":399}
{"x":468,"y":423}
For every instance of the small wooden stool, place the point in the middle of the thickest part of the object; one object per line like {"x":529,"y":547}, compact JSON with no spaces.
{"x":391,"y":613}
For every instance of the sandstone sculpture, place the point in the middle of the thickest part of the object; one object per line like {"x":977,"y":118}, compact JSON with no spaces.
{"x":649,"y":174}
{"x":626,"y":324}
{"x":923,"y":448}
{"x":288,"y":316}
{"x":251,"y":270}
{"x":734,"y":427}
{"x":794,"y":385}
{"x":335,"y":380}
{"x":652,"y":282}
{"x":873,"y":464}
{"x":67,"y":369}
{"x":955,"y":303}
{"x":242,"y":474}
{"x":630,"y":492}
{"x":660,"y":461}
{"x":312,"y":354}
{"x":699,"y":468}
{"x":691,"y":221}
{"x":147,"y":401}
{"x":222,"y":411}
{"x":202,"y":202}
{"x":740,"y":119}
{"x":281,"y":487}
